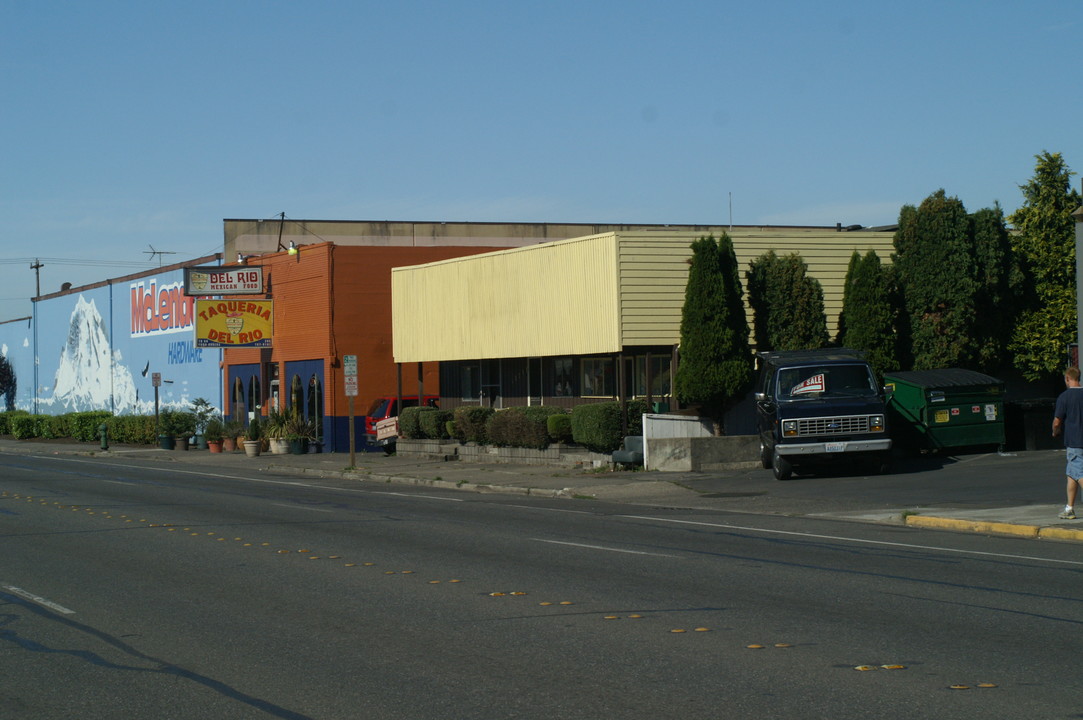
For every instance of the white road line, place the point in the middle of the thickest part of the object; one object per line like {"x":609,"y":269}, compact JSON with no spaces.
{"x":549,"y":509}
{"x":599,"y":547}
{"x":26,"y":595}
{"x":859,"y":541}
{"x":408,"y":495}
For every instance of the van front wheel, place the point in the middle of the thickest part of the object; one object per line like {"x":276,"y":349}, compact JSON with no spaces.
{"x":782,"y":467}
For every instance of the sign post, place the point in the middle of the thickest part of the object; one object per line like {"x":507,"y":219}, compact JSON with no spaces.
{"x":349,"y":376}
{"x":156,"y":381}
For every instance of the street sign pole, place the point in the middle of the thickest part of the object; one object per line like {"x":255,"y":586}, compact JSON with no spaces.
{"x":349,"y":376}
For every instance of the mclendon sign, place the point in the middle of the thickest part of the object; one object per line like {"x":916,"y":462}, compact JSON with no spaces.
{"x":223,"y":281}
{"x":234,"y":323}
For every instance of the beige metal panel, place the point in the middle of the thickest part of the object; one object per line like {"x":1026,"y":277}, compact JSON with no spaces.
{"x":587,"y":295}
{"x":513,"y":303}
{"x":654,"y":271}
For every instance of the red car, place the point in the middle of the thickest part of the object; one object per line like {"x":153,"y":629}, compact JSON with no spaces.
{"x":387,"y":407}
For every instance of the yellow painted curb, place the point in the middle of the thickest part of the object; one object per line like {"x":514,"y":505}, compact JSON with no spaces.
{"x":996,"y":528}
{"x":1058,"y":533}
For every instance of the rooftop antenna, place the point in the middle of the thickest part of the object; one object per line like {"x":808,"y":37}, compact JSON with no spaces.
{"x":281,"y":222}
{"x":731,"y":211}
{"x":152,"y":252}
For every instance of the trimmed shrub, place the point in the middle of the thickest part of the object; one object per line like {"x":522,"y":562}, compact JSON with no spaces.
{"x":470,"y":421}
{"x":516,"y":427}
{"x":597,"y":426}
{"x":5,"y":420}
{"x":559,"y":428}
{"x":132,"y":429}
{"x":83,"y":426}
{"x":433,"y":423}
{"x":24,"y":426}
{"x":409,"y":423}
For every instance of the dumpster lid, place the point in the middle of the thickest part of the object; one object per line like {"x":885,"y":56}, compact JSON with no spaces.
{"x":943,"y":377}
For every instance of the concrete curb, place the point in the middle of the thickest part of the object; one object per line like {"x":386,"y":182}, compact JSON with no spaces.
{"x":424,"y":482}
{"x":995,"y":528}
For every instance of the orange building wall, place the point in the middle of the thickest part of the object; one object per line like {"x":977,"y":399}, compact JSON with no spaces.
{"x":362,"y":319}
{"x":333,"y":300}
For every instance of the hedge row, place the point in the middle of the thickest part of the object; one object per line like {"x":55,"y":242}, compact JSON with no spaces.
{"x":79,"y":426}
{"x":596,"y":426}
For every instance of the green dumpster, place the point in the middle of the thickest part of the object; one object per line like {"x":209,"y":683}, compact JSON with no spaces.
{"x":949,"y":407}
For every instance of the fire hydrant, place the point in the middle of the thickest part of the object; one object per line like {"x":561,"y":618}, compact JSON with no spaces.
{"x":103,"y":430}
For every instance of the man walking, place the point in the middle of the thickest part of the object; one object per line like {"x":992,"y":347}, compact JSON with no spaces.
{"x":1068,"y":419}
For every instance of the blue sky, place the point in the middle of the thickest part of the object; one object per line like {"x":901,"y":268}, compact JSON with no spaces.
{"x":130,"y":124}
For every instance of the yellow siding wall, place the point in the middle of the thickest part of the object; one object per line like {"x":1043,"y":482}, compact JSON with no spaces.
{"x":512,"y":303}
{"x":588,"y":295}
{"x":654,"y":272}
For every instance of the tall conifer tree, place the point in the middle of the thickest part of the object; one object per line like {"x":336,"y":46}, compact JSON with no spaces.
{"x":1045,"y":242}
{"x":788,"y":303}
{"x":934,"y":262}
{"x":715,"y":368}
{"x":867,"y":320}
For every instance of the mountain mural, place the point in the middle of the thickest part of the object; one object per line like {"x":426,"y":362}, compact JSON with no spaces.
{"x":90,"y":375}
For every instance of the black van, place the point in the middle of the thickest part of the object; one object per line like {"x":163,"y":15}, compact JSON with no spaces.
{"x":819,"y":406}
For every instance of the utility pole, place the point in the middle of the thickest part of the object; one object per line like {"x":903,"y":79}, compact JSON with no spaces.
{"x":36,"y":266}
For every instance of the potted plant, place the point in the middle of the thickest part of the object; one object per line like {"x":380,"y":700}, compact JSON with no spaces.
{"x":231,"y":430}
{"x":274,"y":429}
{"x":203,"y":412}
{"x":299,"y":432}
{"x":167,"y":429}
{"x":253,"y":438}
{"x":213,"y":432}
{"x":184,"y":428}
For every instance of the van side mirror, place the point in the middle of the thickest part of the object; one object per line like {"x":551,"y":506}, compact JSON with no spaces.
{"x":760,"y":397}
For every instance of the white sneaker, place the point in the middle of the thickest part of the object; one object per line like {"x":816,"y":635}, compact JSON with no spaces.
{"x":1068,"y":514}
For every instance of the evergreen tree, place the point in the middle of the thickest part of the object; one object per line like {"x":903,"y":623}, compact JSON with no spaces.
{"x":934,"y":264}
{"x":7,"y":384}
{"x":1000,"y":286}
{"x":788,"y":304}
{"x":867,"y":320}
{"x":851,"y":270}
{"x":1045,"y":243}
{"x":715,"y":368}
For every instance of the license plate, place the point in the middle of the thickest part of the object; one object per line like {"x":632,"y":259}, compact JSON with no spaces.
{"x":836,"y":447}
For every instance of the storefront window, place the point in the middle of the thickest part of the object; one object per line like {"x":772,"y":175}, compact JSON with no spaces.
{"x":562,"y":378}
{"x":598,"y":377}
{"x":660,"y":386}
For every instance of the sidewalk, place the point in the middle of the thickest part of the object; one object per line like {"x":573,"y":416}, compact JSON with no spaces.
{"x":748,"y":491}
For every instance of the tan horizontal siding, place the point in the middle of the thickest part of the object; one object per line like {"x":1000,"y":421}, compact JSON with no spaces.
{"x":587,"y":295}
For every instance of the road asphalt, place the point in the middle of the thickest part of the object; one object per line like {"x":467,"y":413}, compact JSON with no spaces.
{"x":748,"y":490}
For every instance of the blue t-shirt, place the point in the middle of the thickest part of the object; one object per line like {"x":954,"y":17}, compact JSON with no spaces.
{"x":1070,"y":411}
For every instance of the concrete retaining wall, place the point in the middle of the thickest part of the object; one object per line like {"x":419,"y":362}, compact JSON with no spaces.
{"x":703,"y":454}
{"x":689,"y":454}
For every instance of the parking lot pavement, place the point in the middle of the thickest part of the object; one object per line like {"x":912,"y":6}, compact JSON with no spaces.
{"x":1015,"y":494}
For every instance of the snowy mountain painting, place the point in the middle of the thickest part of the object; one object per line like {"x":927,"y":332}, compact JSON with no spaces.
{"x":91,"y":375}
{"x":100,"y":347}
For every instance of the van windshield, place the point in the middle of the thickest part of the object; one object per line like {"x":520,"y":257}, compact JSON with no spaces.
{"x":825,"y":381}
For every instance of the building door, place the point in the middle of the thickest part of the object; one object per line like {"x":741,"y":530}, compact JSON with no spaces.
{"x":490,"y":383}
